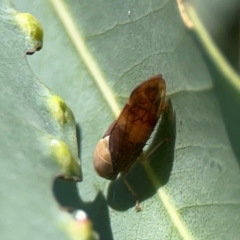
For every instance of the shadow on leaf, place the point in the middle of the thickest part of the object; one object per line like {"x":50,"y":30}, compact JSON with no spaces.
{"x":79,"y":137}
{"x":159,"y":162}
{"x":66,"y":194}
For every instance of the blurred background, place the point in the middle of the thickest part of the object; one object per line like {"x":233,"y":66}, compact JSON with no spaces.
{"x":221,"y":18}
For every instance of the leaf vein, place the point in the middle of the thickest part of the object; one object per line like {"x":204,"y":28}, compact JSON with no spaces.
{"x":116,"y":25}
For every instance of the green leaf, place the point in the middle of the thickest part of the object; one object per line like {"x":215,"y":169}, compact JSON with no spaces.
{"x":95,"y":53}
{"x":38,"y":135}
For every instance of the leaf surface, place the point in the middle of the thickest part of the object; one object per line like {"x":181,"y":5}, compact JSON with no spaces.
{"x":129,"y":41}
{"x":38,"y":138}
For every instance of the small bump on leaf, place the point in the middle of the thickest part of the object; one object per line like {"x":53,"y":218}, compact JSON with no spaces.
{"x":33,"y":30}
{"x":59,"y":109}
{"x":80,"y":228}
{"x":63,"y":156}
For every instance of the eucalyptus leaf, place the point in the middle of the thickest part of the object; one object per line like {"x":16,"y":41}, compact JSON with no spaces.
{"x":94,"y":50}
{"x":38,"y":136}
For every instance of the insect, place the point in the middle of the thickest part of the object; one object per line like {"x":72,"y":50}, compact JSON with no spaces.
{"x":124,"y":140}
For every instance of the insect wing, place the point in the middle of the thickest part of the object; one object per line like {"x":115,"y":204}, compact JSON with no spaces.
{"x":130,"y":132}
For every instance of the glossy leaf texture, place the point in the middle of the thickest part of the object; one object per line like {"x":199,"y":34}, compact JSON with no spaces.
{"x":95,"y":53}
{"x":38,"y":135}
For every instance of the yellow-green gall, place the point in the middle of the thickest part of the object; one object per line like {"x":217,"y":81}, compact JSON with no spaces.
{"x":70,"y":168}
{"x":33,"y":30}
{"x":59,"y":109}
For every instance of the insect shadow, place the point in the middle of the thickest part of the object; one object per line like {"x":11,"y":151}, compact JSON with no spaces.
{"x":159,"y":162}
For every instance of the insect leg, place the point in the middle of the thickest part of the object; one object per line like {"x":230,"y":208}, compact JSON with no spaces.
{"x":142,"y":157}
{"x":154,"y":149}
{"x":137,"y":206}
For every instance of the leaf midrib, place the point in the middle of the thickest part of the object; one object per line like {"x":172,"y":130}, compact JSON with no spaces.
{"x":107,"y":93}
